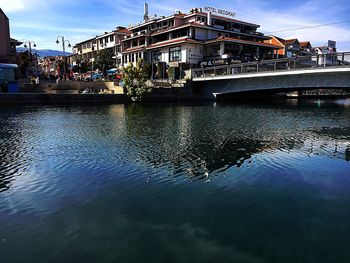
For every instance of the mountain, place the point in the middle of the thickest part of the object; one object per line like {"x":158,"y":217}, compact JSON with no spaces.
{"x":44,"y":52}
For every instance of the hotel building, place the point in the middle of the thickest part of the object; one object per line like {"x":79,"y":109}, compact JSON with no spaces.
{"x":197,"y":38}
{"x":190,"y":40}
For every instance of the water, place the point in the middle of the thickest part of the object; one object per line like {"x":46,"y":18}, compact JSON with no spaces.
{"x":176,"y":183}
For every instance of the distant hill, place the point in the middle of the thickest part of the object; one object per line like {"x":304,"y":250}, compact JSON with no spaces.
{"x":44,"y":52}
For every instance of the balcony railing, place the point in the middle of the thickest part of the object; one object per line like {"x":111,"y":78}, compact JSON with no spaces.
{"x":285,"y":64}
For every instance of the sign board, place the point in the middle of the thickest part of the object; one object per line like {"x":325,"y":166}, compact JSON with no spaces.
{"x":219,"y":11}
{"x":173,"y":64}
{"x":331,"y":44}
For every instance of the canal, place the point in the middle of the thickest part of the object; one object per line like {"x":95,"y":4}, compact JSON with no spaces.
{"x":176,"y":183}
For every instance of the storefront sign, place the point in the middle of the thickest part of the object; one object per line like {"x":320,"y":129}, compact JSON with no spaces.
{"x":331,"y":44}
{"x":173,"y":64}
{"x":219,"y":62}
{"x":219,"y":11}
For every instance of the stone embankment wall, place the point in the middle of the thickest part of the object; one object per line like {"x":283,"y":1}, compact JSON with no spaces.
{"x":49,"y":98}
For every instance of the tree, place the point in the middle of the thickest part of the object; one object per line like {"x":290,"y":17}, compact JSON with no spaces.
{"x":136,"y":80}
{"x":104,"y":60}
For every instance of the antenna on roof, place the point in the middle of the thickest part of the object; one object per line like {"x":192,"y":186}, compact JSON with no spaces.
{"x":145,"y":16}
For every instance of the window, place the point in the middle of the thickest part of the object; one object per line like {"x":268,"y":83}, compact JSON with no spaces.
{"x":111,"y":38}
{"x":199,"y":18}
{"x":101,"y":41}
{"x":175,"y":54}
{"x":106,"y":39}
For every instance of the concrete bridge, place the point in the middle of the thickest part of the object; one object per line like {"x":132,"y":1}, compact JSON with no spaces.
{"x":312,"y":72}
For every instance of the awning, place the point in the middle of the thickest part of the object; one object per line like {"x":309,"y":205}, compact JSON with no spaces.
{"x":9,"y":66}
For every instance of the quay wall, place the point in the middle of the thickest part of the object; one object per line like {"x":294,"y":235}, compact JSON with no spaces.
{"x":46,"y":98}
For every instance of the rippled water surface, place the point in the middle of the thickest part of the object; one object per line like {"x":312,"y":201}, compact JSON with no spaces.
{"x":176,"y":183}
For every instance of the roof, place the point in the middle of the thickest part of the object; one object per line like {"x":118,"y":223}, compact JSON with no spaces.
{"x":240,"y":41}
{"x":2,"y":12}
{"x":85,"y":41}
{"x":224,"y":18}
{"x":5,"y":65}
{"x":174,"y":41}
{"x":123,"y":30}
{"x":290,"y":41}
{"x":305,"y":44}
{"x":134,"y":49}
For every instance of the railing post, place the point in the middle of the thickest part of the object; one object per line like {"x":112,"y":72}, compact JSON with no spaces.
{"x":275,"y":66}
{"x":343,"y":59}
{"x":214,"y":71}
{"x":257,"y":67}
{"x":241,"y":68}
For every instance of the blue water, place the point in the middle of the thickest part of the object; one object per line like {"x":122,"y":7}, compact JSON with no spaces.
{"x":176,"y":183}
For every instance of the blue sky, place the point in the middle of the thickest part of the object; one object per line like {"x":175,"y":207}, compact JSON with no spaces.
{"x":43,"y":20}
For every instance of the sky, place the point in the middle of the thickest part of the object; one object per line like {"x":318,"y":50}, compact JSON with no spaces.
{"x":42,"y":21}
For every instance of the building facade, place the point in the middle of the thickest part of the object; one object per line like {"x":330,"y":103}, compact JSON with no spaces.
{"x":182,"y":40}
{"x":196,"y":38}
{"x":88,"y":50}
{"x":7,"y":44}
{"x":291,"y":47}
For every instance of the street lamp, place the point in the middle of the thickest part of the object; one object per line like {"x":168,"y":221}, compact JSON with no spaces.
{"x":29,"y":42}
{"x":64,"y":52}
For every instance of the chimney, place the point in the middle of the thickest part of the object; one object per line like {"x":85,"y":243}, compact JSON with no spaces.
{"x":145,"y":16}
{"x":209,"y":19}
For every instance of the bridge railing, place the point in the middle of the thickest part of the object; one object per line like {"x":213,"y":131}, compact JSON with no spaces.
{"x":285,"y":64}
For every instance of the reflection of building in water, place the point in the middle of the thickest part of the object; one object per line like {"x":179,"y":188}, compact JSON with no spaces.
{"x":195,"y":145}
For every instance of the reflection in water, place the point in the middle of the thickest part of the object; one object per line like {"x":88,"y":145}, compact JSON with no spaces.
{"x":175,"y":183}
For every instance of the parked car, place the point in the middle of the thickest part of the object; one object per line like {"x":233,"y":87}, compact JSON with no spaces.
{"x":96,"y":76}
{"x":86,"y":77}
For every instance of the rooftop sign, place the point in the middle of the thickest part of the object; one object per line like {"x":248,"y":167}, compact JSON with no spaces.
{"x":219,"y":11}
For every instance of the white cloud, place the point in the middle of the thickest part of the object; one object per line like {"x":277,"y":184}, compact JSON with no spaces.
{"x":12,"y":5}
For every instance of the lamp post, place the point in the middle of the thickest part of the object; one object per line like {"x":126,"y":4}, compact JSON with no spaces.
{"x":64,"y":52}
{"x":29,"y":42}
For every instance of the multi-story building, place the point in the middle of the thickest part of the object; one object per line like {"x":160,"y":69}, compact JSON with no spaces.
{"x":187,"y":40}
{"x":7,"y":44}
{"x":194,"y":38}
{"x":88,"y":49}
